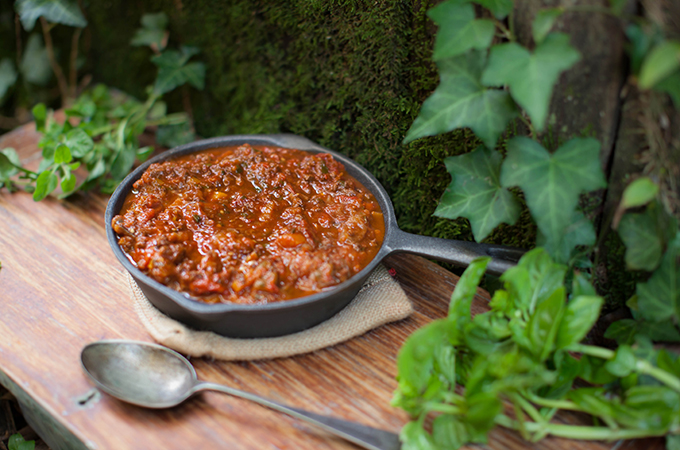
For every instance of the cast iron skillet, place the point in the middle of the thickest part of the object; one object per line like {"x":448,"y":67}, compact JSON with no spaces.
{"x":276,"y":319}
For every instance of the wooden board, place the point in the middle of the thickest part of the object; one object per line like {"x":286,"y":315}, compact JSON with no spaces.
{"x":61,"y":288}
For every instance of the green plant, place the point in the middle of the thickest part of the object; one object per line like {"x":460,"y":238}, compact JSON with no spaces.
{"x":521,"y":352}
{"x":50,"y":13}
{"x":484,"y":87}
{"x":101,"y":128}
{"x":527,"y":352}
{"x":17,"y":442}
{"x":644,"y":219}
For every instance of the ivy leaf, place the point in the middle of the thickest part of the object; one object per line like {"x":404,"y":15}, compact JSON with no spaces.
{"x":174,"y":71}
{"x":659,"y":297}
{"x":552,"y":182}
{"x":460,"y":101}
{"x":624,"y":331}
{"x":65,"y":12}
{"x":459,"y":31}
{"x":579,"y":231}
{"x":638,"y":193}
{"x":475,"y":192}
{"x":531,"y":77}
{"x":8,"y":76}
{"x":543,"y":23}
{"x":671,"y":86}
{"x":643,"y":244}
{"x":581,"y":286}
{"x":662,"y":61}
{"x":499,"y":8}
{"x":640,"y":41}
{"x":152,"y":32}
{"x":35,"y":66}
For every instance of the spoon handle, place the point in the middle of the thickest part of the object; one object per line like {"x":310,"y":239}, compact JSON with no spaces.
{"x":361,"y":435}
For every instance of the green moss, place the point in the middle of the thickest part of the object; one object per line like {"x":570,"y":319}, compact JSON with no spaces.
{"x":612,"y":280}
{"x":348,"y":74}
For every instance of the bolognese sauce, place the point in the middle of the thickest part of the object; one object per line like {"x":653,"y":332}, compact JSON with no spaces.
{"x":249,"y":224}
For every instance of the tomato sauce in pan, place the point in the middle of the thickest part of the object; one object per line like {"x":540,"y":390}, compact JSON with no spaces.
{"x":249,"y":224}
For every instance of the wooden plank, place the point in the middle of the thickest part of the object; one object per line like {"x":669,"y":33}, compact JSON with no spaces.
{"x":61,"y":287}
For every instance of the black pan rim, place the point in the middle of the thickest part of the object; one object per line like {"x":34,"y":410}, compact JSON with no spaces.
{"x":201,"y":308}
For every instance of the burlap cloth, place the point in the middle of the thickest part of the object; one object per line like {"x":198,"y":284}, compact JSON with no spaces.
{"x":381,"y":300}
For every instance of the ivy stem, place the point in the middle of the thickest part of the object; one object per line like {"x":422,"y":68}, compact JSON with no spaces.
{"x":527,"y":122}
{"x":578,"y":431}
{"x":511,"y":24}
{"x":73,"y":70}
{"x":49,"y":46}
{"x":641,"y":365}
{"x":17,"y":33}
{"x":507,"y":33}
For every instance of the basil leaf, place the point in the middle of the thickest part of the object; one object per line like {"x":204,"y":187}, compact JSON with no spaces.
{"x":544,"y":324}
{"x":580,"y":316}
{"x":465,"y":291}
{"x":416,"y":357}
{"x":623,"y":362}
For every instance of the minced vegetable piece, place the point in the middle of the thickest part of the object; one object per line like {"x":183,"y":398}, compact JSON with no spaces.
{"x":249,"y":224}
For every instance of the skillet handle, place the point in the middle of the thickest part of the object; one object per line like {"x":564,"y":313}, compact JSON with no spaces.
{"x":459,"y":253}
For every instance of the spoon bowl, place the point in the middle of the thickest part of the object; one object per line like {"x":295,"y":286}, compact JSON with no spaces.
{"x":153,"y":376}
{"x":146,"y":375}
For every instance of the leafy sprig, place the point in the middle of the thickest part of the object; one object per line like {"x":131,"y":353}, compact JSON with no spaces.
{"x":484,"y":87}
{"x":523,"y":354}
{"x":99,"y":136}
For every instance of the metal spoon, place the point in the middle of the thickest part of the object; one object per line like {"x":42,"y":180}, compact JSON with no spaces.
{"x":153,"y":376}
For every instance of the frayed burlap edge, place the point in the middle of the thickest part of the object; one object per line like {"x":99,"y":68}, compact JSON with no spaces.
{"x":381,"y":300}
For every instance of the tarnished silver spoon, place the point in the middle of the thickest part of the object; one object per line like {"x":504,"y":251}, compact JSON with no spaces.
{"x":154,"y":376}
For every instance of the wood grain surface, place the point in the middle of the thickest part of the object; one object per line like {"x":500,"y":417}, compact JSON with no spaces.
{"x":61,"y":288}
